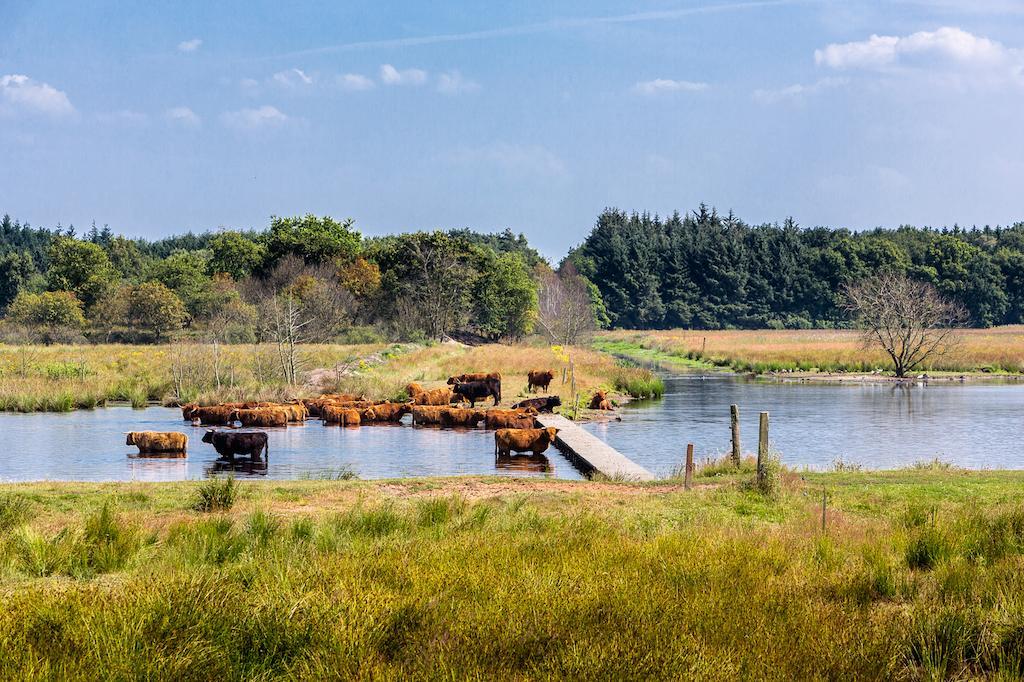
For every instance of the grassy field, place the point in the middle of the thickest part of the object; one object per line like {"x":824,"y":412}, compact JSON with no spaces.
{"x":918,"y":575}
{"x":999,"y":350}
{"x":61,"y":378}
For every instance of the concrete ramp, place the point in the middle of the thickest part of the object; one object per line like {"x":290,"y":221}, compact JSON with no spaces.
{"x":590,"y":453}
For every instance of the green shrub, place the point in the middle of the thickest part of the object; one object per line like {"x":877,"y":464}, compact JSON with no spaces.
{"x":638,"y":382}
{"x":216,"y":494}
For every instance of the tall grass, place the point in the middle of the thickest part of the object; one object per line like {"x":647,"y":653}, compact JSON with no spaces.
{"x":313,"y":580}
{"x":996,"y":350}
{"x":216,"y":494}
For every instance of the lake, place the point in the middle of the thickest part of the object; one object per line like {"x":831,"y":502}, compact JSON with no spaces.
{"x":879,"y":426}
{"x":812,"y":424}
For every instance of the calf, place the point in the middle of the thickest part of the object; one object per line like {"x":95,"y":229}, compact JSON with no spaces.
{"x":157,"y":441}
{"x":478,"y":390}
{"x":540,"y":379}
{"x":231,"y":443}
{"x":523,"y":440}
{"x":600,"y":401}
{"x":545,"y":404}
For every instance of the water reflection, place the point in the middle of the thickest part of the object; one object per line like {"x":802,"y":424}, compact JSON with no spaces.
{"x":239,"y":465}
{"x":539,"y":464}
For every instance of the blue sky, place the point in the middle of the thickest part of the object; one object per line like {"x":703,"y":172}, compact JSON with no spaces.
{"x":156,"y":118}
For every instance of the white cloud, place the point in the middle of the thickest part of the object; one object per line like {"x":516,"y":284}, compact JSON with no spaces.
{"x":527,"y":160}
{"x":453,"y":82}
{"x":265,"y":116}
{"x":659,"y":85}
{"x":184,"y":116}
{"x":20,"y":93}
{"x":292,"y":78}
{"x":798,"y":90}
{"x":389,"y":75}
{"x":945,"y":47}
{"x":190,"y":45}
{"x":355,"y":81}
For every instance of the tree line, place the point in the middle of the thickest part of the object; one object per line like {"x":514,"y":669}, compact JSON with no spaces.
{"x":303,"y":279}
{"x":704,"y":270}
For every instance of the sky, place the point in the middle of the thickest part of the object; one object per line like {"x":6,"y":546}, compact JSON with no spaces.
{"x":157,"y":118}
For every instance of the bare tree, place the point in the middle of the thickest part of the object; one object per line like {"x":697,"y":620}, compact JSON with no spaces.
{"x":299,"y":304}
{"x":565,"y":308}
{"x":908,"y":319}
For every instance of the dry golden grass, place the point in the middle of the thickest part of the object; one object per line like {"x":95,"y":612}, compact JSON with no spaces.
{"x":1000,"y":349}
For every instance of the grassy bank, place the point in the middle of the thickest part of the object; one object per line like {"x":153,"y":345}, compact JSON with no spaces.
{"x":999,"y":350}
{"x":918,"y":575}
{"x":61,"y":378}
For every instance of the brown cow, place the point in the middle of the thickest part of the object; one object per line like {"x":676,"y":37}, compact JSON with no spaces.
{"x":262,"y":416}
{"x":437,"y":396}
{"x":476,"y":376}
{"x":385,"y":412}
{"x":413,"y":389}
{"x":600,"y":401}
{"x":427,"y":414}
{"x":460,"y":416}
{"x":540,"y":379}
{"x":510,"y":419}
{"x":341,"y":415}
{"x":214,"y":416}
{"x":296,"y":412}
{"x":523,"y":440}
{"x":187,"y":410}
{"x":157,"y":441}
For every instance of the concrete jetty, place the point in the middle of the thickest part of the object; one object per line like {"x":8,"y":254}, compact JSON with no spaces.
{"x":590,"y":453}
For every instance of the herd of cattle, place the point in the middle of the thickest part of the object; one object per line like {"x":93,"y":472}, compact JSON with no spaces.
{"x":515,"y":429}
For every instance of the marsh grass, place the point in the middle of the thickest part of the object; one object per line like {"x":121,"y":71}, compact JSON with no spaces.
{"x":992,"y":351}
{"x":216,"y":494}
{"x":457,"y":579}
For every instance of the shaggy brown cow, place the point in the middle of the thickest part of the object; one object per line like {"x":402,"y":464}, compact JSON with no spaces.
{"x":427,"y":414}
{"x":214,"y":416}
{"x":341,"y":415}
{"x":385,"y":412}
{"x":523,"y":440}
{"x":545,"y":404}
{"x":540,"y":379}
{"x":263,"y":416}
{"x":296,"y":412}
{"x":600,"y":401}
{"x":476,"y":376}
{"x":413,"y":389}
{"x":510,"y":419}
{"x":460,"y":416}
{"x":187,"y":410}
{"x":158,"y":441}
{"x":437,"y":396}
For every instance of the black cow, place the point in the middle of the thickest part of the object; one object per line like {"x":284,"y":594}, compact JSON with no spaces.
{"x":545,"y":404}
{"x":477,"y":390}
{"x":231,"y":443}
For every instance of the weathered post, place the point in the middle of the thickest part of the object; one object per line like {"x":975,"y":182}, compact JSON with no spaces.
{"x":762,"y":447}
{"x":734,"y":414}
{"x":688,"y":480}
{"x":824,"y":501}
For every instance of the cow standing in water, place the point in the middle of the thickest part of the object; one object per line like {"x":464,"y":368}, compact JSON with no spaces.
{"x":231,"y":443}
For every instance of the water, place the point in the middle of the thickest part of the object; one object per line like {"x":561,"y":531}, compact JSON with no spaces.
{"x":878,"y":426}
{"x":88,"y":445}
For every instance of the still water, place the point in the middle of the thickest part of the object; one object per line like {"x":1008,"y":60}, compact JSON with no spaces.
{"x":878,"y":426}
{"x":88,"y":445}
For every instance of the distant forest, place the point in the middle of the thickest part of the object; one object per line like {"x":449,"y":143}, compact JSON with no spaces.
{"x":311,"y":278}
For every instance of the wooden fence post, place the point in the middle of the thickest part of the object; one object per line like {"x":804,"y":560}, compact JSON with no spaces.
{"x":762,"y":447}
{"x":824,"y":501}
{"x":734,"y":414}
{"x":688,"y":480}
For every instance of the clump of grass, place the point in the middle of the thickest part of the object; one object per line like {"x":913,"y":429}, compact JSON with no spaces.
{"x":216,"y":494}
{"x":262,"y":527}
{"x":927,"y":547}
{"x":932,"y":465}
{"x":840,"y":465}
{"x":715,"y":467}
{"x":638,"y":382}
{"x":769,"y":482}
{"x":344,"y":473}
{"x":437,"y":511}
{"x":109,"y":543}
{"x":14,"y":511}
{"x":375,"y":522}
{"x":41,"y":555}
{"x":211,"y":541}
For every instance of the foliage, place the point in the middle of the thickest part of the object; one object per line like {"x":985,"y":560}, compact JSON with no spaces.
{"x":216,"y":495}
{"x":708,"y":271}
{"x":235,"y":254}
{"x":505,"y":298}
{"x":48,"y":311}
{"x":79,"y":267}
{"x":316,"y":240}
